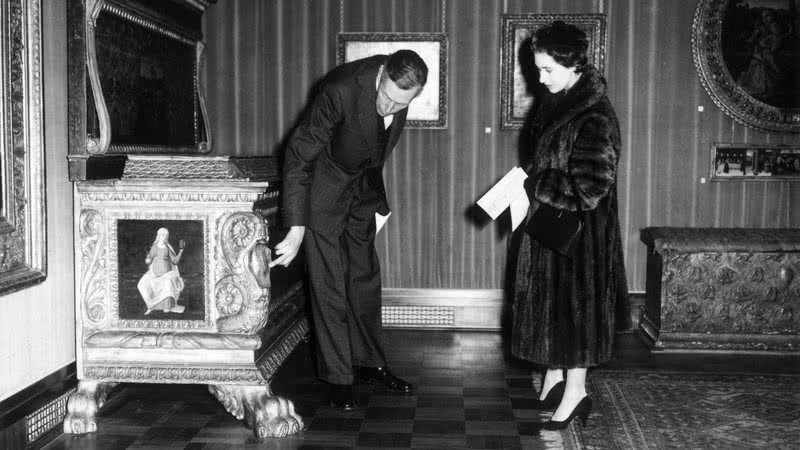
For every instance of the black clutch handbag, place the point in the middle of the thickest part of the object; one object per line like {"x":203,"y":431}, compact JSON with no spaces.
{"x":557,"y":229}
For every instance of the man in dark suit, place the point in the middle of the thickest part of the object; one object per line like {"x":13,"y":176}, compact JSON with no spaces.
{"x":332,"y":189}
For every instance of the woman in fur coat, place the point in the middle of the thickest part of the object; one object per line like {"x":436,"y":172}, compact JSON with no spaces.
{"x":564,"y":305}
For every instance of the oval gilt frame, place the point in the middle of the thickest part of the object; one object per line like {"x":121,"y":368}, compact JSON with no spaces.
{"x":717,"y":80}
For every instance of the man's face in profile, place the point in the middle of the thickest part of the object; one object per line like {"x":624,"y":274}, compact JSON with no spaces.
{"x":391,"y":98}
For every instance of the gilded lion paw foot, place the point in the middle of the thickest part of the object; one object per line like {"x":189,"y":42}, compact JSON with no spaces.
{"x":83,"y":405}
{"x":268,"y":415}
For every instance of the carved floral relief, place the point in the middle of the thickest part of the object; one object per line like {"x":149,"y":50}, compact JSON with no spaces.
{"x":731,"y":292}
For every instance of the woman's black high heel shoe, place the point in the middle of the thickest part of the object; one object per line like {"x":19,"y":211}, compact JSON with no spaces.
{"x":582,"y":410}
{"x":553,"y":397}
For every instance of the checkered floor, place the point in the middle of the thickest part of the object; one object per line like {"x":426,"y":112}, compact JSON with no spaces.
{"x":469,"y":394}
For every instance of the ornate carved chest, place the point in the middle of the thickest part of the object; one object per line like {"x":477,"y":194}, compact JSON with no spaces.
{"x":172,"y":278}
{"x":173,"y":286}
{"x":722,"y":288}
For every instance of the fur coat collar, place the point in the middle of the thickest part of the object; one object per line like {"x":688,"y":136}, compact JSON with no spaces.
{"x":559,"y":117}
{"x":561,"y":108}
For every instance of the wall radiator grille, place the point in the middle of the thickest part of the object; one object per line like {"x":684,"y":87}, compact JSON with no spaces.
{"x":416,"y":316}
{"x":46,"y":418}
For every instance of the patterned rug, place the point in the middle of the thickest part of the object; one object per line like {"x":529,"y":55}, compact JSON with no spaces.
{"x":644,"y":410}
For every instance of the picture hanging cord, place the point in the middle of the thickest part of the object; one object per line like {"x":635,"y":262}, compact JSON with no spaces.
{"x":443,"y":15}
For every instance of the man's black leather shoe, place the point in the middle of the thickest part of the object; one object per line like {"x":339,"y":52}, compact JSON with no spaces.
{"x":342,"y":397}
{"x":385,"y":377}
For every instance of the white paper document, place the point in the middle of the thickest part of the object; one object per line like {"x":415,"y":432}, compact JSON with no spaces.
{"x":508,"y":192}
{"x":519,"y":209}
{"x":380,"y":221}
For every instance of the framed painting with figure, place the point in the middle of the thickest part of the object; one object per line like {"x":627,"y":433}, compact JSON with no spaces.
{"x":749,"y":162}
{"x":429,"y":109}
{"x":23,"y":224}
{"x":161,"y":271}
{"x":747,"y":55}
{"x":519,"y":79}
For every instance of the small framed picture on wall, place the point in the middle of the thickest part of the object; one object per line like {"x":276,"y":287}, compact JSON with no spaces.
{"x":429,"y":110}
{"x":755,"y":162}
{"x":518,"y":74}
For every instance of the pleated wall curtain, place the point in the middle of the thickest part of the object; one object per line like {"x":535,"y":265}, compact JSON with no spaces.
{"x":264,"y":56}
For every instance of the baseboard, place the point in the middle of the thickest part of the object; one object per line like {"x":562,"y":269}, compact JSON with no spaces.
{"x":460,"y":309}
{"x":31,"y":415}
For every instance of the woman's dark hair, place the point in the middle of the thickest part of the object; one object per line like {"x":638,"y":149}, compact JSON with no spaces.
{"x":565,"y":43}
{"x":406,"y":69}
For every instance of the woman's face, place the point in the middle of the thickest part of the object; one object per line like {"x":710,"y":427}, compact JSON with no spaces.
{"x":553,"y":75}
{"x":162,"y":235}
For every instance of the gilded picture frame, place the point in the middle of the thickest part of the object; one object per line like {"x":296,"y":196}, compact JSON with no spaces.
{"x":429,"y":110}
{"x":518,"y":75}
{"x":23,"y":225}
{"x":130,"y":235}
{"x":746,"y":55}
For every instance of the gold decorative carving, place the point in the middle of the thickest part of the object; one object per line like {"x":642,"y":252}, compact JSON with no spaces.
{"x":266,"y":414}
{"x":180,"y":167}
{"x":83,"y":405}
{"x":731,"y":292}
{"x":206,"y":145}
{"x":272,"y":360}
{"x":177,"y":340}
{"x":155,"y":374}
{"x":145,"y":23}
{"x":92,"y":288}
{"x":228,"y":297}
{"x":218,"y":197}
{"x":96,"y":145}
{"x":240,"y":292}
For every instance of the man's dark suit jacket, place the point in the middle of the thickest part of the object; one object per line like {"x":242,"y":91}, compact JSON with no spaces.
{"x":335,"y":147}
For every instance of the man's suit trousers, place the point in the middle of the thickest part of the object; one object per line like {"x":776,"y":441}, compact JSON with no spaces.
{"x":345,"y":289}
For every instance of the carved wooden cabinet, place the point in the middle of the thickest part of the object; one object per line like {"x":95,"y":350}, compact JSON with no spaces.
{"x":722,"y":288}
{"x":172,"y":278}
{"x":216,"y":315}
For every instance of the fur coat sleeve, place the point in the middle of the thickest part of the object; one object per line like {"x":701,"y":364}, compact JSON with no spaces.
{"x":590,"y":172}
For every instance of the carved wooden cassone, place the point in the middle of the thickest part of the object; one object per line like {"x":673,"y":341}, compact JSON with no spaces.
{"x":217,"y":317}
{"x":722,"y":289}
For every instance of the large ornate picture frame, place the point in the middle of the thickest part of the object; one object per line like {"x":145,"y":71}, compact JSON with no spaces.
{"x":518,"y":75}
{"x":143,"y":72}
{"x":429,"y":110}
{"x":746,"y":55}
{"x":23,"y":227}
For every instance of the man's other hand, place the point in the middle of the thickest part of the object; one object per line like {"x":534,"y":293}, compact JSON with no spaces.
{"x":287,"y":248}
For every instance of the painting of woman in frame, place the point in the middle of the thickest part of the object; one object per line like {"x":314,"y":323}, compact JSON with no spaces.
{"x":747,"y":56}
